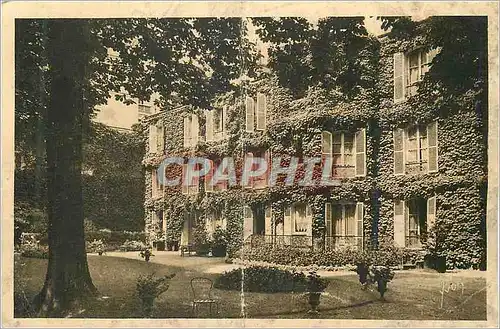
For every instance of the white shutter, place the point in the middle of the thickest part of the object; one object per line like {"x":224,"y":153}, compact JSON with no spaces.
{"x":185,"y":179}
{"x":399,"y":223}
{"x":249,"y":110}
{"x":195,"y":129}
{"x":154,"y":181}
{"x":328,"y":219}
{"x":326,"y":143}
{"x":309,"y":218}
{"x":359,"y":225}
{"x":399,"y":80}
{"x":152,"y":139}
{"x":431,"y":212}
{"x":224,"y":120}
{"x":361,"y":152}
{"x":209,"y":186}
{"x":209,"y":125}
{"x":268,"y":221}
{"x":160,"y":139}
{"x":398,"y":145}
{"x":432,"y":140}
{"x":261,"y":111}
{"x":247,"y":222}
{"x":187,"y":132}
{"x":287,"y":221}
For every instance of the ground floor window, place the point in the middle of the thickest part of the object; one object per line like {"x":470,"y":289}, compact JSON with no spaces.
{"x":412,"y":220}
{"x":343,"y":224}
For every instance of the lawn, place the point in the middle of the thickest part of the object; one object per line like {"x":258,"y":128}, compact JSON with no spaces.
{"x":412,"y":295}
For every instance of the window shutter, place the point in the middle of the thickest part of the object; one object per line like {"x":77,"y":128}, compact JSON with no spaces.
{"x":152,"y":139}
{"x":187,"y":132}
{"x":224,"y":120}
{"x":261,"y":111}
{"x":267,"y":174}
{"x":399,"y":223}
{"x":209,"y":124}
{"x":195,"y":129}
{"x":247,"y":222}
{"x":160,"y":139}
{"x":268,"y":221}
{"x":184,"y":179}
{"x":361,"y":152}
{"x":154,"y":181}
{"x":249,"y":109}
{"x":399,"y":82}
{"x":399,"y":167}
{"x":431,"y":212}
{"x":209,"y":187}
{"x":250,"y":179}
{"x":432,"y":140}
{"x":328,"y":219}
{"x":309,"y":218}
{"x":287,"y":221}
{"x":164,"y":222}
{"x":326,"y":143}
{"x":359,"y":224}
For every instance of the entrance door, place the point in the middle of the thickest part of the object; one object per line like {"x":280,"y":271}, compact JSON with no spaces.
{"x":260,"y":221}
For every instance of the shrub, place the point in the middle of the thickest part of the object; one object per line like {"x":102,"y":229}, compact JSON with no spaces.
{"x":262,"y":279}
{"x":201,"y":241}
{"x":148,"y":288}
{"x":34,"y":251}
{"x":385,"y":255}
{"x":315,"y":283}
{"x":219,"y":242}
{"x":132,"y":245}
{"x":114,"y":239}
{"x":96,"y":246}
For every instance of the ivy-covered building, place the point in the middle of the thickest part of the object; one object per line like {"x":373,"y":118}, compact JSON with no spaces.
{"x":411,"y":171}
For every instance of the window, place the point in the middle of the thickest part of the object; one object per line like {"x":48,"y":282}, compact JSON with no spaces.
{"x":260,"y":182}
{"x":299,"y":217}
{"x":191,"y":130}
{"x":216,"y":124}
{"x":256,"y":113}
{"x":143,"y":109}
{"x":415,"y":149}
{"x":344,"y":224}
{"x":347,"y":151}
{"x":412,"y":220}
{"x":409,"y":69}
{"x":215,"y":220}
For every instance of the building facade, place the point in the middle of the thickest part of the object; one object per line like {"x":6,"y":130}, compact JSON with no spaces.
{"x":408,"y":170}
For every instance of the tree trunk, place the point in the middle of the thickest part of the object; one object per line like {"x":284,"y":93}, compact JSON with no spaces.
{"x":68,"y":277}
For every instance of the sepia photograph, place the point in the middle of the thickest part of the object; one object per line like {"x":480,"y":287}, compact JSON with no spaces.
{"x":325,"y":166}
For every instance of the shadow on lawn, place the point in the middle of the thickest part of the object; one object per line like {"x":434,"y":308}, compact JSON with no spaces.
{"x":328,"y":309}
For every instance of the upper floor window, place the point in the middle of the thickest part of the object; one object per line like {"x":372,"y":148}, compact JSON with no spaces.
{"x":190,"y":185}
{"x":216,"y":124}
{"x":415,"y":149}
{"x":156,"y":187}
{"x":156,"y":138}
{"x":409,"y":69}
{"x":144,"y":109}
{"x":347,"y":151}
{"x":191,"y":130}
{"x":255,"y":113}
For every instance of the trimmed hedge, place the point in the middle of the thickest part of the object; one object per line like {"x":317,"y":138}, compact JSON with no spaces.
{"x":114,"y":239}
{"x":389,"y":256}
{"x":263,"y":279}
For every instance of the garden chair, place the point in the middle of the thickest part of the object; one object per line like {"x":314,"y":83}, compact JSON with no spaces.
{"x":202,"y":294}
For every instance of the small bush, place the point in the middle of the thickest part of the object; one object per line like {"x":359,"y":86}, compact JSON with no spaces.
{"x":34,"y":251}
{"x":201,"y":241}
{"x":96,"y":246}
{"x":148,"y":288}
{"x":132,"y":245}
{"x":262,"y":279}
{"x":219,"y":242}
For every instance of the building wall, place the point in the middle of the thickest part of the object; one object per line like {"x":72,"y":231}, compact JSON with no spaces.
{"x":294,"y":128}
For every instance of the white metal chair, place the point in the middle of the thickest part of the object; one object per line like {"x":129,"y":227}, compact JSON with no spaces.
{"x":202,"y":294}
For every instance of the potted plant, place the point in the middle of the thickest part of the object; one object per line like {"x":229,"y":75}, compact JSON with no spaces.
{"x":201,"y":241}
{"x":315,"y":286}
{"x":148,"y":288}
{"x":219,"y":242}
{"x":381,"y":275}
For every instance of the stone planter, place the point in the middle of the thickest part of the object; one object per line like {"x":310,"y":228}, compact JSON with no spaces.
{"x":314,"y":301}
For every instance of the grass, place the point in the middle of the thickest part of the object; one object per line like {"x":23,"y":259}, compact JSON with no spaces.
{"x":412,"y":295}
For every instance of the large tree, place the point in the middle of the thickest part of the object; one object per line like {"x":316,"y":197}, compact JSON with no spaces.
{"x":63,"y":72}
